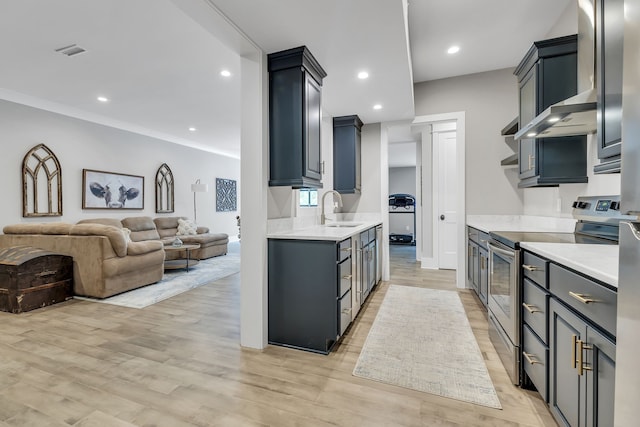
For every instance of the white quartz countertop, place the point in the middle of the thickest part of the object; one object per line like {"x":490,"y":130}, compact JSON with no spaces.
{"x":489,"y":223}
{"x":597,"y":261}
{"x":345,"y":230}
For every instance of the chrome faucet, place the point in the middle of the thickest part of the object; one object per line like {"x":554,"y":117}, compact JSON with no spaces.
{"x":323,"y":218}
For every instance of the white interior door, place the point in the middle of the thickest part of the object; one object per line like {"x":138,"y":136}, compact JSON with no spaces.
{"x":446,"y":213}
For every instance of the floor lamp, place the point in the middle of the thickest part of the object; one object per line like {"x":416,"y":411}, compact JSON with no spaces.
{"x":197,"y":188}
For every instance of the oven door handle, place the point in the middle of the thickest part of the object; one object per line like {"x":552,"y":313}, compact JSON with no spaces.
{"x":494,"y":248}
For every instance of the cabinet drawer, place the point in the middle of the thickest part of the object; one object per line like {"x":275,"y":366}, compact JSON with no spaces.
{"x":344,"y":313}
{"x":534,"y":308}
{"x":344,"y":249}
{"x":344,"y":278}
{"x":593,"y":300}
{"x":535,"y":356}
{"x":535,"y":268}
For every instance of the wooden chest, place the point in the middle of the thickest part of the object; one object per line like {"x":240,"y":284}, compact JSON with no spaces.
{"x":31,"y":278}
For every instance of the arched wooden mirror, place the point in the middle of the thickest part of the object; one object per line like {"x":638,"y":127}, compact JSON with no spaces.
{"x":41,"y":183}
{"x":164,"y":189}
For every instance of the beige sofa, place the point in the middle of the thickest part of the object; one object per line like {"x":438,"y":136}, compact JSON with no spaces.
{"x":211,"y":244}
{"x":104,"y":263}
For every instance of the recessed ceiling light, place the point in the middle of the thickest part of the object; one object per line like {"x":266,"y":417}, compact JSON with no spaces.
{"x":103,"y":99}
{"x":363,"y":75}
{"x":225,"y":73}
{"x":192,"y":129}
{"x":554,"y":119}
{"x":453,"y":49}
{"x":531,"y":134}
{"x":377,"y":107}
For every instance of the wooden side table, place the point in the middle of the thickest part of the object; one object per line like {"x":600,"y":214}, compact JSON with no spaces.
{"x":175,"y":264}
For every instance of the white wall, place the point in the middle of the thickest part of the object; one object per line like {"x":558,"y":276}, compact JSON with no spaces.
{"x":490,"y":102}
{"x":545,"y":201}
{"x":402,"y":180}
{"x":369,"y":200}
{"x":567,"y":23}
{"x":83,"y":145}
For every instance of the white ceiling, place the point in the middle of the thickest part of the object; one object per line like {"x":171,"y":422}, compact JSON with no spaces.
{"x":161,"y":70}
{"x":491,"y":34}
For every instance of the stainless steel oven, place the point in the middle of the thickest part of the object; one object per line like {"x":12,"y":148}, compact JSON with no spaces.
{"x":597,"y":223}
{"x":504,"y":313}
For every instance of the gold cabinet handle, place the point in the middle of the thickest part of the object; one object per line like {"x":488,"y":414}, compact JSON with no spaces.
{"x":531,"y":159}
{"x":346,"y":249}
{"x":574,"y":342}
{"x":585,"y":299}
{"x":581,"y":366}
{"x":347,"y":277}
{"x":531,"y":308}
{"x":531,"y":267}
{"x":530,"y":358}
{"x":346,"y":311}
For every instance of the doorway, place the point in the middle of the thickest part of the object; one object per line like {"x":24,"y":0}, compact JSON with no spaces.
{"x":442,"y":190}
{"x":403,"y":202}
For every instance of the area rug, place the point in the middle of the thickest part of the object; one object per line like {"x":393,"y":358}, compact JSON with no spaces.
{"x":421,"y":339}
{"x":176,"y":282}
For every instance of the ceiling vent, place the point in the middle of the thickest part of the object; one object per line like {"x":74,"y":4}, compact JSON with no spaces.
{"x":71,"y":50}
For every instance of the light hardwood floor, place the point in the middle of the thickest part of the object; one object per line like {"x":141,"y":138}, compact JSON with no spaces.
{"x":179,"y":363}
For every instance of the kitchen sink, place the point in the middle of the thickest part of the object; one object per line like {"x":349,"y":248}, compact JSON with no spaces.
{"x":343,"y":224}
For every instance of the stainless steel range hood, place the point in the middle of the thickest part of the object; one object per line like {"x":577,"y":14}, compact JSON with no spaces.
{"x":575,"y":115}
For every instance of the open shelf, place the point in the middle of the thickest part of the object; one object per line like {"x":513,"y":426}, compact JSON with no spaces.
{"x":508,"y":131}
{"x":510,"y":161}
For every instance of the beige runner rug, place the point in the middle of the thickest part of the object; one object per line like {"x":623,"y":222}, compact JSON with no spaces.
{"x":421,"y":339}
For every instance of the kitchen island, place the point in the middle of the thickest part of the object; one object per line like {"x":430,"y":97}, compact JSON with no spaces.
{"x":319,"y":277}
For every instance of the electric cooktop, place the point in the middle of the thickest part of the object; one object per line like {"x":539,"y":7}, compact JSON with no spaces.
{"x":512,"y":239}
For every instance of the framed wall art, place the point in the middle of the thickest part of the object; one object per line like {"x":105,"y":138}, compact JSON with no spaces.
{"x":226,"y":195}
{"x":164,"y":189}
{"x":41,"y":183}
{"x":110,"y":190}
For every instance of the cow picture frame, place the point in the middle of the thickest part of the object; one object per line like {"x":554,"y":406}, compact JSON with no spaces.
{"x":112,"y":190}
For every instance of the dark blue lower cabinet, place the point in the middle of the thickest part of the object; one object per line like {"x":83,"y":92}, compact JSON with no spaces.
{"x":306,"y":294}
{"x":582,"y":370}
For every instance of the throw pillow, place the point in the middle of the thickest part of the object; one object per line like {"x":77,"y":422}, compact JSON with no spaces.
{"x":186,"y":227}
{"x":127,"y":234}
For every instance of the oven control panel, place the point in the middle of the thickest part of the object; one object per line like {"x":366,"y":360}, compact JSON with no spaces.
{"x":597,"y":204}
{"x":598,"y":208}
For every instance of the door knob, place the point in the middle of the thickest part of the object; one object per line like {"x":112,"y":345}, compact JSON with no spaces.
{"x":442,"y":217}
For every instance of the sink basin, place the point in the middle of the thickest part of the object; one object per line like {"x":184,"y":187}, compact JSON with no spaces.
{"x":343,"y":224}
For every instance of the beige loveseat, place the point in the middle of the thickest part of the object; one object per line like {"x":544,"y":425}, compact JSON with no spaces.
{"x":211,"y":244}
{"x":104,"y":263}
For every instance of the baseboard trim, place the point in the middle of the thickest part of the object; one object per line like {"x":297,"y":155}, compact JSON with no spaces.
{"x":429,"y":263}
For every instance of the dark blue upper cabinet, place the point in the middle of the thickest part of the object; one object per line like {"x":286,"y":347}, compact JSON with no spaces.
{"x":295,"y":89}
{"x":609,"y":47}
{"x":346,"y":154}
{"x":546,"y":75}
